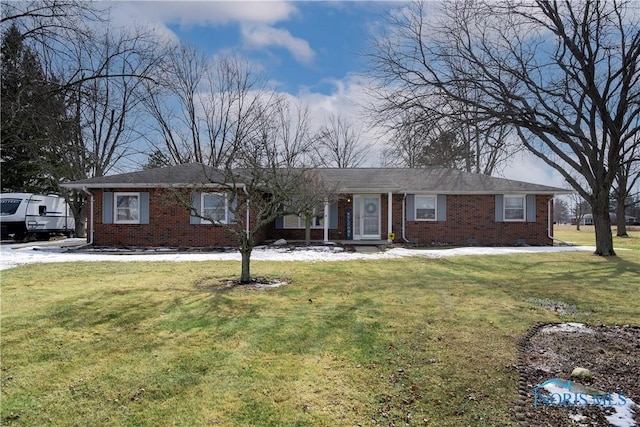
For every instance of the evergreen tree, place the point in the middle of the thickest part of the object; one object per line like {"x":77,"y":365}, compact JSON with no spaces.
{"x":32,"y":117}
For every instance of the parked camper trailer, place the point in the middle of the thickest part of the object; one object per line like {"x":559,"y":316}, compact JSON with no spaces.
{"x":35,"y":215}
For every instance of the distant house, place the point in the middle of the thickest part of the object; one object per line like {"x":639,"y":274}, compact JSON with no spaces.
{"x":587,"y":219}
{"x":427,"y":207}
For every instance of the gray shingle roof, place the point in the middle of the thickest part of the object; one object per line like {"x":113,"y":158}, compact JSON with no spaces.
{"x":429,"y":180}
{"x":355,"y":180}
{"x":180,"y":175}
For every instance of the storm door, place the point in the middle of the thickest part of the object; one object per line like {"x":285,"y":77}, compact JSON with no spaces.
{"x":366,"y":217}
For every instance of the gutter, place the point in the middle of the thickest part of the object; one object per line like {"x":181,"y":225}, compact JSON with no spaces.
{"x":550,"y":226}
{"x":404,"y":198}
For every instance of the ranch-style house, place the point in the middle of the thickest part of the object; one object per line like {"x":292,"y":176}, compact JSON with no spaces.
{"x":425,"y":207}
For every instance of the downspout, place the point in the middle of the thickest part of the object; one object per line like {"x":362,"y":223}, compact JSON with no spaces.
{"x":84,"y":189}
{"x":326,"y":221}
{"x":550,"y":225}
{"x":404,"y":199}
{"x":389,"y":217}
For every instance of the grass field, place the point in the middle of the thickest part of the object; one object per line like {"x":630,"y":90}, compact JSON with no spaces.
{"x":397,"y":342}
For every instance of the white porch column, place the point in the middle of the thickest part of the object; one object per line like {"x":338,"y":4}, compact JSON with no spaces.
{"x":326,"y":220}
{"x":389,"y":216}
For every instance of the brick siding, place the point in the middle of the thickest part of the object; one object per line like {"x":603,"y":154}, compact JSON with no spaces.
{"x":169,"y":225}
{"x":470,"y":220}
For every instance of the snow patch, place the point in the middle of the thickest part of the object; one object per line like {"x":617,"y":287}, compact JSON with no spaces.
{"x":567,"y":327}
{"x":622,"y":406}
{"x":12,"y":255}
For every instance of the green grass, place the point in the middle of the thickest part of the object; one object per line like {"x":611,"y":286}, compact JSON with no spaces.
{"x":347,"y":343}
{"x":586,"y":236}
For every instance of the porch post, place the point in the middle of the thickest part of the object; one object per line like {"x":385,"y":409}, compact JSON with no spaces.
{"x":326,"y":220}
{"x":389,"y":217}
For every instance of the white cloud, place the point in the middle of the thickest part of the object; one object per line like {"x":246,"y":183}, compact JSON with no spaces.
{"x":206,"y":13}
{"x":346,"y":98}
{"x":256,"y":20}
{"x":529,"y":168}
{"x":263,"y":36}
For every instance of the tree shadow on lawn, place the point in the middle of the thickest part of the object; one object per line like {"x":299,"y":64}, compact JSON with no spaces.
{"x":586,"y":268}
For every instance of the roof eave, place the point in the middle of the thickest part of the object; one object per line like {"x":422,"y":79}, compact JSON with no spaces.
{"x":485,"y":192}
{"x":80,"y":186}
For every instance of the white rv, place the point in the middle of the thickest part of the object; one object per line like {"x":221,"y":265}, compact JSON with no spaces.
{"x":35,"y":215}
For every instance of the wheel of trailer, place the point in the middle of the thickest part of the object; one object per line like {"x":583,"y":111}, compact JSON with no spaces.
{"x":43,"y":236}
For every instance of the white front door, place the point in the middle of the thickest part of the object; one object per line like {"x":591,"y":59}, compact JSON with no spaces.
{"x":366,"y":217}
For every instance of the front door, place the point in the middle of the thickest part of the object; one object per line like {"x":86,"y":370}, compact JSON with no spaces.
{"x":366,"y":217}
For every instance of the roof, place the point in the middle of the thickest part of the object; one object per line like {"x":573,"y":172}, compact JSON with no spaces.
{"x":352,"y":180}
{"x":187,"y":174}
{"x":429,"y":180}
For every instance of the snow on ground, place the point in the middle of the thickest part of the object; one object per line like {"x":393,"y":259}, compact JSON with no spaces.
{"x":623,"y":407}
{"x":12,"y":255}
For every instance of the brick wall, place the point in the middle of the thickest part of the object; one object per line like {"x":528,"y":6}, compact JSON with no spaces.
{"x":470,"y":221}
{"x":169,"y":225}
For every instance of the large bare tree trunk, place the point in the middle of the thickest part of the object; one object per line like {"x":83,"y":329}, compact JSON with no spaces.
{"x":602,"y":224}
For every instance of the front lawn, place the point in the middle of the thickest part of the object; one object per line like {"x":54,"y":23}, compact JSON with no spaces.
{"x":398,"y":342}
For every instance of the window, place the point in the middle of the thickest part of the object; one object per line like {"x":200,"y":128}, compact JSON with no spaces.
{"x":127,"y":208}
{"x":514,"y":208}
{"x":214,"y":206}
{"x":298,"y":221}
{"x":10,"y":206}
{"x":425,"y":208}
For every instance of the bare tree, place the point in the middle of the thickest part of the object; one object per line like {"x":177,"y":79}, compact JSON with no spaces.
{"x":406,"y":140}
{"x":50,"y":23}
{"x":256,"y":145}
{"x":203,"y":109}
{"x":409,"y":109}
{"x":561,"y":211}
{"x":97,"y":70}
{"x":260,"y":178}
{"x":297,"y":144}
{"x":565,"y":75}
{"x":53,"y":27}
{"x":339,"y":144}
{"x":430,"y":137}
{"x":627,"y":178}
{"x":107,"y":111}
{"x":579,"y":208}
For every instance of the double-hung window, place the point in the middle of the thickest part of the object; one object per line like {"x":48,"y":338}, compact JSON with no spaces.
{"x":126,"y":209}
{"x":514,"y":208}
{"x":214,"y":208}
{"x":425,"y":208}
{"x":298,"y":221}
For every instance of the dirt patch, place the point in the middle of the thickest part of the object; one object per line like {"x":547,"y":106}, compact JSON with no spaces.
{"x":256,"y":284}
{"x":611,"y":353}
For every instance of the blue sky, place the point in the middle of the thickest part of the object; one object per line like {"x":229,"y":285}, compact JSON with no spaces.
{"x":300,"y":45}
{"x":314,"y":51}
{"x":336,"y":36}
